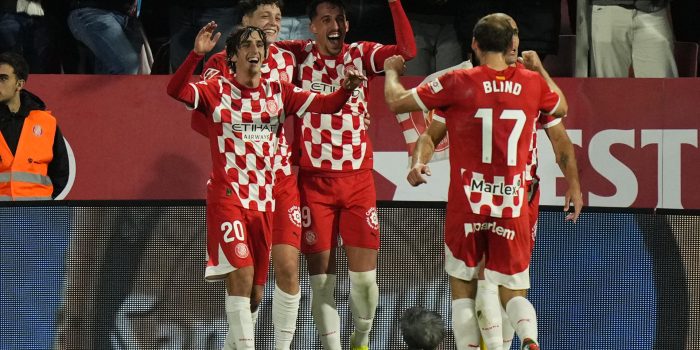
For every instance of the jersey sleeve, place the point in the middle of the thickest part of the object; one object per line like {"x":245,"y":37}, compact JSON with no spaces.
{"x":549,"y":100}
{"x":179,"y":86}
{"x":215,"y":66}
{"x":296,"y":47}
{"x":438,"y":114}
{"x":547,"y":121}
{"x":437,"y":93}
{"x":298,"y":101}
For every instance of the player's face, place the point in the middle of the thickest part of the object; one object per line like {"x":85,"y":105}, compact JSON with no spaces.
{"x":250,"y":55}
{"x":329,"y":26}
{"x":9,"y":84}
{"x":268,"y":18}
{"x":512,"y":55}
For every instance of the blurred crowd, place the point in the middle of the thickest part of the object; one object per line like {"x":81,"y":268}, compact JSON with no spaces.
{"x":614,"y":38}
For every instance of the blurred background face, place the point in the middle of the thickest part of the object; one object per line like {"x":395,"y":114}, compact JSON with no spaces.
{"x":329,"y":26}
{"x":9,"y":84}
{"x":268,"y":18}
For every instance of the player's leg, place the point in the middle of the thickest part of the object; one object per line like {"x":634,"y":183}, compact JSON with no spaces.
{"x":508,"y":266}
{"x":464,"y":249}
{"x":285,"y":258}
{"x":359,"y":227}
{"x":488,"y":310}
{"x":319,"y":225}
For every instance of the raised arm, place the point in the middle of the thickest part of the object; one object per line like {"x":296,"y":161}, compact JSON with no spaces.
{"x":425,"y":147}
{"x":532,"y":62}
{"x":397,"y":97}
{"x":566,"y":159}
{"x":298,"y":101}
{"x":203,"y":43}
{"x":405,"y":41}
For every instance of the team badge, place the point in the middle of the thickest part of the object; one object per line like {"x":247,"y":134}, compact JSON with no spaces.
{"x":435,"y":86}
{"x":372,"y":218}
{"x":310,"y":237}
{"x":241,"y":250}
{"x":272,"y":107}
{"x":295,"y":215}
{"x":38,"y":130}
{"x":284,"y":77}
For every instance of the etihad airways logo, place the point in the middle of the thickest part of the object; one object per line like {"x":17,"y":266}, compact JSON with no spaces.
{"x":323,"y":88}
{"x":481,"y":186}
{"x":255,"y":132}
{"x":489,"y":226}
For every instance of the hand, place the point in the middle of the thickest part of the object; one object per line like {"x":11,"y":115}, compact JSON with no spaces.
{"x":415,"y":176}
{"x":395,"y":63}
{"x":367,"y":120}
{"x":353,"y":79}
{"x":576,"y":198}
{"x":205,"y":42}
{"x":531,"y":61}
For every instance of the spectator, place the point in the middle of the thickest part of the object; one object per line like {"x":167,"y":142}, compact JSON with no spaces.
{"x":540,"y":22}
{"x":110,"y":30}
{"x":436,"y":38}
{"x":187,"y":17}
{"x":30,"y":29}
{"x":629,"y":35}
{"x":295,"y":23}
{"x":33,"y":156}
{"x":422,"y":329}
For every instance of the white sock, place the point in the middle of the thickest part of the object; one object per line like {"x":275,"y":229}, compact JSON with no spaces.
{"x":508,"y":330}
{"x":523,"y":318}
{"x":464,"y":324}
{"x":364,"y":297}
{"x":324,"y":310}
{"x":240,"y":323}
{"x":285,"y":308}
{"x":488,"y":312}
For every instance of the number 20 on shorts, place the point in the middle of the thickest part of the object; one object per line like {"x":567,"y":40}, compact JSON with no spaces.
{"x":235,"y":227}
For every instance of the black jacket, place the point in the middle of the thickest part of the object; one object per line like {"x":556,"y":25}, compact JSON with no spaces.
{"x":11,"y":127}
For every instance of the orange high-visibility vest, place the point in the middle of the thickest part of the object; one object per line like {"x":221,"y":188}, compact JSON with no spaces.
{"x":23,"y":175}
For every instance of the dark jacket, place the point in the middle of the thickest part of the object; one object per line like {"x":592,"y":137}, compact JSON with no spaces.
{"x":11,"y":127}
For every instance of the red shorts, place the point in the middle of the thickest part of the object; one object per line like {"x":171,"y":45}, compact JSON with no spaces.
{"x":237,"y":238}
{"x":506,"y":245}
{"x":286,"y":220}
{"x":332,"y":205}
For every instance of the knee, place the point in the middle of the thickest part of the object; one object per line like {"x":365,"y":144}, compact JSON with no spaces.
{"x":363,"y":280}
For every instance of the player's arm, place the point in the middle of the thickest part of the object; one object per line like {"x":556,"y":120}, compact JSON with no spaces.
{"x":425,"y":147}
{"x":398,"y":99}
{"x":298,"y":101}
{"x":405,"y":41}
{"x":178,"y":87}
{"x":566,"y":159}
{"x":212,"y":68}
{"x":532,"y":62}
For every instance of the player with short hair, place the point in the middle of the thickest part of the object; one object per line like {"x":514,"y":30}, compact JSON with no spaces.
{"x":490,"y":112}
{"x":335,"y":167}
{"x":245,"y":114}
{"x":496,"y":330}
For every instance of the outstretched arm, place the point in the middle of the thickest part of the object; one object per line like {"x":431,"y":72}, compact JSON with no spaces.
{"x":299,"y":101}
{"x":397,"y":97}
{"x":566,"y":159}
{"x":425,"y":147}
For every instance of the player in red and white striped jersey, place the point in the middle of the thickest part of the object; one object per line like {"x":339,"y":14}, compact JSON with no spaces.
{"x":491,"y":109}
{"x":335,"y":177}
{"x":286,"y":232}
{"x":244,"y":116}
